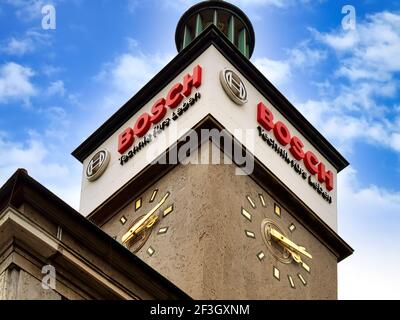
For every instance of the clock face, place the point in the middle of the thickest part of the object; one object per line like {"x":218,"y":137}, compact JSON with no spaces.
{"x":276,"y":239}
{"x":146,"y":216}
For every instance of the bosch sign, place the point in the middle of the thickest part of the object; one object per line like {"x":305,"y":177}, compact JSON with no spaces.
{"x":296,"y":147}
{"x":158,"y":111}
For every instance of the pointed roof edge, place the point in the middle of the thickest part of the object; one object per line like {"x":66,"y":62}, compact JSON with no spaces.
{"x":212,"y":36}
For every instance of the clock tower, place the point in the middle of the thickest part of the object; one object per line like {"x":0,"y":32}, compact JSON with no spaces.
{"x":213,"y":178}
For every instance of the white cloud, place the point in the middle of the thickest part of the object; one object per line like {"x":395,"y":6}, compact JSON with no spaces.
{"x":50,"y":70}
{"x":369,"y":217}
{"x":115,"y":83}
{"x":371,"y":49}
{"x":374,"y":201}
{"x":361,"y":108}
{"x":28,"y":43}
{"x":345,"y":127}
{"x":35,"y":156}
{"x":340,"y":42}
{"x":58,"y":123}
{"x":56,"y":88}
{"x":278,"y":72}
{"x":17,"y":46}
{"x":130,"y":71}
{"x":127,"y":73}
{"x":15,"y":83}
{"x":27,"y":10}
{"x":303,"y":56}
{"x":30,"y":156}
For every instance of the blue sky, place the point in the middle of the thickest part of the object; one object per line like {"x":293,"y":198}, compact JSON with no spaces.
{"x":57,"y":86}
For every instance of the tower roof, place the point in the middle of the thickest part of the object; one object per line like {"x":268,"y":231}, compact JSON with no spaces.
{"x":228,"y":18}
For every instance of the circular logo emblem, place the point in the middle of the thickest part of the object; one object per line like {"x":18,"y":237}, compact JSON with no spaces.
{"x":233,"y":86}
{"x":97,"y":165}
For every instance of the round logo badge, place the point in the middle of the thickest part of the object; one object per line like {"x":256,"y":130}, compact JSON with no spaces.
{"x":97,"y":165}
{"x":233,"y":86}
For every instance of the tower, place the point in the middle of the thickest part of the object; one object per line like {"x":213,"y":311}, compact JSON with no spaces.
{"x":229,"y":19}
{"x":213,"y":178}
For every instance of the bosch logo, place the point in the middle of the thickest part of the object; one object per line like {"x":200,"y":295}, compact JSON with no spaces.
{"x":97,"y":165}
{"x":233,"y":86}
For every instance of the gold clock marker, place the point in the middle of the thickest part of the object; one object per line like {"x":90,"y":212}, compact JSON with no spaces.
{"x":150,"y":251}
{"x":153,"y":196}
{"x":277,"y":210}
{"x":138,"y":204}
{"x":250,"y":200}
{"x":276,"y":273}
{"x":123,"y":220}
{"x":246,"y":214}
{"x":250,"y":234}
{"x":163,"y":230}
{"x":261,"y":256}
{"x":262,"y":200}
{"x":291,"y":282}
{"x":303,"y":281}
{"x":306,"y":267}
{"x":168,"y":210}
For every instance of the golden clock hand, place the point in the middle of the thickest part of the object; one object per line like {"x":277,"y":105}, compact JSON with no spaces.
{"x":288,"y":243}
{"x":296,"y":256}
{"x":147,"y":221}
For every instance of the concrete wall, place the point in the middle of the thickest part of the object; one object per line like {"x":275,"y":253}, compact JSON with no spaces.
{"x":2,"y":285}
{"x":17,"y":284}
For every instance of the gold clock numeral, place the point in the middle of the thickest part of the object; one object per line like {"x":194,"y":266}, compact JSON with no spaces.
{"x":153,"y":195}
{"x":276,"y":273}
{"x":250,"y":234}
{"x":150,"y":251}
{"x":291,"y":282}
{"x":246,"y":214}
{"x":168,"y":210}
{"x":250,"y":200}
{"x":261,"y":256}
{"x":303,"y":281}
{"x":306,"y":267}
{"x":138,"y":204}
{"x":163,"y":230}
{"x":262,"y":200}
{"x":277,"y":210}
{"x":123,"y":220}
